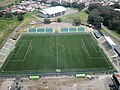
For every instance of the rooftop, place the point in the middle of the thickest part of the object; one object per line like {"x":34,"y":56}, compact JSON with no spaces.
{"x":53,"y":10}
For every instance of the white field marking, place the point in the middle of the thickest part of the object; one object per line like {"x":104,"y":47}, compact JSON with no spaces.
{"x":18,"y":50}
{"x":25,"y":53}
{"x":2,"y":53}
{"x":57,"y":53}
{"x":95,"y":48}
{"x":16,"y":54}
{"x":6,"y":48}
{"x":52,"y":69}
{"x":89,"y":54}
{"x":9,"y":43}
{"x":84,"y":48}
{"x":106,"y":59}
{"x":17,"y":60}
{"x":18,"y":41}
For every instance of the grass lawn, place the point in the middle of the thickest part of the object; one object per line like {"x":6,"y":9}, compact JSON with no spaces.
{"x":4,"y":3}
{"x":114,"y":33}
{"x":52,"y":52}
{"x":29,"y":17}
{"x":5,"y":28}
{"x":79,"y":15}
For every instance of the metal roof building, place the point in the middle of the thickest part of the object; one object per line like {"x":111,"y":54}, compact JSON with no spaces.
{"x":52,"y":12}
{"x":110,"y":41}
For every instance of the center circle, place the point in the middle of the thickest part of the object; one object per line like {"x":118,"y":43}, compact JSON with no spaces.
{"x":57,"y":48}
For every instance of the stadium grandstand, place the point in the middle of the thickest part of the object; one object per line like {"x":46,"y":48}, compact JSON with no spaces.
{"x":109,"y":45}
{"x":101,"y":39}
{"x":110,"y":41}
{"x":52,"y":12}
{"x":6,"y":49}
{"x":51,"y":30}
{"x":112,"y":53}
{"x":72,"y":29}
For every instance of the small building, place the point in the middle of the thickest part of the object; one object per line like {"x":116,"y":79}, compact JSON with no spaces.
{"x":110,"y":41}
{"x":52,"y":12}
{"x":80,"y":75}
{"x":34,"y":77}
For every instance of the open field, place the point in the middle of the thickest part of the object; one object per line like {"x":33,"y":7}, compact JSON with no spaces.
{"x":7,"y":2}
{"x":56,"y":53}
{"x":79,"y":15}
{"x":6,"y":27}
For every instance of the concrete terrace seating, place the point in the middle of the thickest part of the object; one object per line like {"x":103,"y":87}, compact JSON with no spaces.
{"x":7,"y":45}
{"x":112,"y":53}
{"x":105,"y":43}
{"x":11,"y":41}
{"x":101,"y":39}
{"x":6,"y":49}
{"x":108,"y":47}
{"x":2,"y":56}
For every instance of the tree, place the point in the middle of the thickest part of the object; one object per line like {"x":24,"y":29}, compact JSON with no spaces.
{"x":58,"y":20}
{"x":47,"y":21}
{"x":53,"y":3}
{"x":116,"y":5}
{"x":8,"y":15}
{"x":76,"y":22}
{"x":81,"y":6}
{"x":66,"y":4}
{"x":95,"y":19}
{"x":1,"y":8}
{"x":20,"y":18}
{"x":1,"y":14}
{"x":93,"y":6}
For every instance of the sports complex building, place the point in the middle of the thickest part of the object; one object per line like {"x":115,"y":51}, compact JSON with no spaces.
{"x":43,"y":50}
{"x":52,"y":12}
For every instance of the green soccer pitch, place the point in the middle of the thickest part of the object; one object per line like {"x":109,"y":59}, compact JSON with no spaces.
{"x":47,"y":53}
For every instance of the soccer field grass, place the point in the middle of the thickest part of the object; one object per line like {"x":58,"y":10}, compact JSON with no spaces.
{"x":56,"y":52}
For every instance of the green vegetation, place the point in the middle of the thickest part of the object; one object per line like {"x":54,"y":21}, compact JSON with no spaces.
{"x":79,"y":15}
{"x":29,"y":17}
{"x":47,"y":21}
{"x":106,"y":15}
{"x":76,"y":5}
{"x":56,"y":52}
{"x":6,"y":3}
{"x":58,"y":20}
{"x":76,"y":22}
{"x":114,"y":33}
{"x":6,"y":27}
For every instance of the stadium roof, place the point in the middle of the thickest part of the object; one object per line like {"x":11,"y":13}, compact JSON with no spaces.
{"x":110,"y":41}
{"x":53,"y":10}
